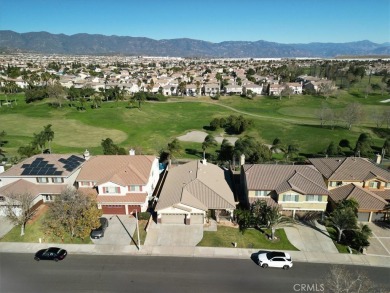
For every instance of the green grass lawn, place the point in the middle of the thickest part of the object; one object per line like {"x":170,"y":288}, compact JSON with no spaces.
{"x":150,"y":128}
{"x":252,"y":238}
{"x":34,"y":231}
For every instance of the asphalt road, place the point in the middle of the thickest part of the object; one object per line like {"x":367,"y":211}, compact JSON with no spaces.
{"x":83,"y":273}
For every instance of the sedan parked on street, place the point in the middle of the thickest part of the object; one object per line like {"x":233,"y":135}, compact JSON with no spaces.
{"x":51,"y":253}
{"x":275,"y":259}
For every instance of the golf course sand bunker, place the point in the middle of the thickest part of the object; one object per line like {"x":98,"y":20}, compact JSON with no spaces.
{"x":199,"y":136}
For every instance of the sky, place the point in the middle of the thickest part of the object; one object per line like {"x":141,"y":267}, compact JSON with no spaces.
{"x":282,"y":21}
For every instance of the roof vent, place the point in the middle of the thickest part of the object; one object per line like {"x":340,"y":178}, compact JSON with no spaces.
{"x":132,"y":152}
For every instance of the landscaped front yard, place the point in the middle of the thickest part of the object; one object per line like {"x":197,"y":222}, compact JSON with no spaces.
{"x":252,"y":238}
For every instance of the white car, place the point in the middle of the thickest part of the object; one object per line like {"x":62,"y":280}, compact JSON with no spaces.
{"x":275,"y":259}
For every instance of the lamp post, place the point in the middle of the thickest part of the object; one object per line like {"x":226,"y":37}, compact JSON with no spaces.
{"x":139,"y":243}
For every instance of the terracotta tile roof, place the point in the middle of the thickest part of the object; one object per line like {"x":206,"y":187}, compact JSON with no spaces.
{"x":23,"y":186}
{"x":367,"y":200}
{"x":197,"y":185}
{"x":281,"y":178}
{"x":123,"y":169}
{"x":53,"y":159}
{"x":349,"y":169}
{"x":129,"y":198}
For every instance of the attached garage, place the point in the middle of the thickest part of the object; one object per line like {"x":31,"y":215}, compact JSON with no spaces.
{"x":132,"y":208}
{"x":114,"y":209}
{"x":363,"y":217}
{"x":197,"y":219}
{"x":173,"y":218}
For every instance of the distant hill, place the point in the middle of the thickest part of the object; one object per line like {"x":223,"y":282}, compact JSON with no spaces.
{"x":91,"y":44}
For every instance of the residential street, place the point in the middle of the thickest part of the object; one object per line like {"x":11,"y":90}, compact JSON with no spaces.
{"x":81,"y":273}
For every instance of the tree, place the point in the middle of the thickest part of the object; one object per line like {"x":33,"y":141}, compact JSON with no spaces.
{"x":269,"y":217}
{"x":57,"y":92}
{"x":325,"y":114}
{"x":286,"y":91}
{"x":342,"y":219}
{"x":254,"y":151}
{"x":244,"y":219}
{"x":209,"y":141}
{"x":109,"y":148}
{"x":48,"y":134}
{"x":226,"y":151}
{"x":360,"y":237}
{"x":340,"y":279}
{"x":326,"y":89}
{"x":352,"y":114}
{"x":386,"y":147}
{"x":333,"y":149}
{"x":344,"y":143}
{"x":72,"y":213}
{"x":363,"y":145}
{"x":2,"y":143}
{"x":174,"y":147}
{"x":20,"y":209}
{"x":139,"y":97}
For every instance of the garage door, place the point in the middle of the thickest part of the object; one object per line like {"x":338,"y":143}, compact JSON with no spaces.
{"x":114,"y":209}
{"x":363,"y":217}
{"x":197,"y":219}
{"x":131,"y":209}
{"x":173,"y":219}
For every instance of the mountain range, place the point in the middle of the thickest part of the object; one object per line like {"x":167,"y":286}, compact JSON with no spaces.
{"x":95,"y":44}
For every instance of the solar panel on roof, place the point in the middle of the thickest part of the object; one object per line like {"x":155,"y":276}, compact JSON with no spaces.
{"x":39,"y":159}
{"x":40,"y":172}
{"x":62,"y":160}
{"x":57,"y":172}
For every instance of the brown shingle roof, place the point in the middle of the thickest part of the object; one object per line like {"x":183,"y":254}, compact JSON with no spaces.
{"x":123,"y":169}
{"x":197,"y":185}
{"x":367,"y":200}
{"x":281,"y":178}
{"x":349,"y":169}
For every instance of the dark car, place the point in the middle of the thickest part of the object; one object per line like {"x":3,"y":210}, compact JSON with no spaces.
{"x":51,"y":253}
{"x":99,"y":232}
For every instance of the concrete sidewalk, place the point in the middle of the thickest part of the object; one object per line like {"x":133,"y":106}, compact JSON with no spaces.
{"x":211,"y":252}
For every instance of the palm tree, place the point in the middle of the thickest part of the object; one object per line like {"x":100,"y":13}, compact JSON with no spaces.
{"x":48,"y":134}
{"x":342,"y":219}
{"x":274,"y":219}
{"x":208,"y":142}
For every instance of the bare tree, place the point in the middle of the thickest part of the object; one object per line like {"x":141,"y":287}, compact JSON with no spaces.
{"x":325,"y":114}
{"x":352,"y":114}
{"x":20,"y":209}
{"x":56,"y":92}
{"x":326,"y":89}
{"x":340,"y":279}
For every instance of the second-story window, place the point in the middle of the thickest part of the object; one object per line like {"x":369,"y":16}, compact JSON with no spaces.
{"x":135,"y":188}
{"x":42,"y":180}
{"x":374,"y":184}
{"x":57,"y":180}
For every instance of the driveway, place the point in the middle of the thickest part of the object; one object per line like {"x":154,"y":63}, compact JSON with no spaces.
{"x":120,"y":230}
{"x":5,"y":225}
{"x":174,"y":235}
{"x":380,"y":239}
{"x":310,"y":237}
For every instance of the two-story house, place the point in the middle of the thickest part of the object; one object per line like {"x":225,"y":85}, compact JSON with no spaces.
{"x":43,"y":176}
{"x":122,"y":183}
{"x":296,"y":188}
{"x":356,"y":178}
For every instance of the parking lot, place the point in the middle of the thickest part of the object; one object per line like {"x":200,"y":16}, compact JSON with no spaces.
{"x":120,"y":230}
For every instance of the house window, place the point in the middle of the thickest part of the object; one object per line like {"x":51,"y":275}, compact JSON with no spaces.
{"x":42,"y":180}
{"x":335,"y":183}
{"x":374,"y":184}
{"x":135,"y":188}
{"x":84,"y":183}
{"x":291,"y":197}
{"x":387,"y":185}
{"x":261,"y":192}
{"x":111,"y":189}
{"x":57,"y":180}
{"x":312,"y":197}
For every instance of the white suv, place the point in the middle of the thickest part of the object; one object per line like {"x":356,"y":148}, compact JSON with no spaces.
{"x":275,"y":259}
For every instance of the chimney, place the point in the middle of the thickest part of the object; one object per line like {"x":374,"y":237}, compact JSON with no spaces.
{"x":203,"y":161}
{"x":378,"y":159}
{"x":86,"y":155}
{"x":242,"y":160}
{"x":1,"y":169}
{"x":132,"y":152}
